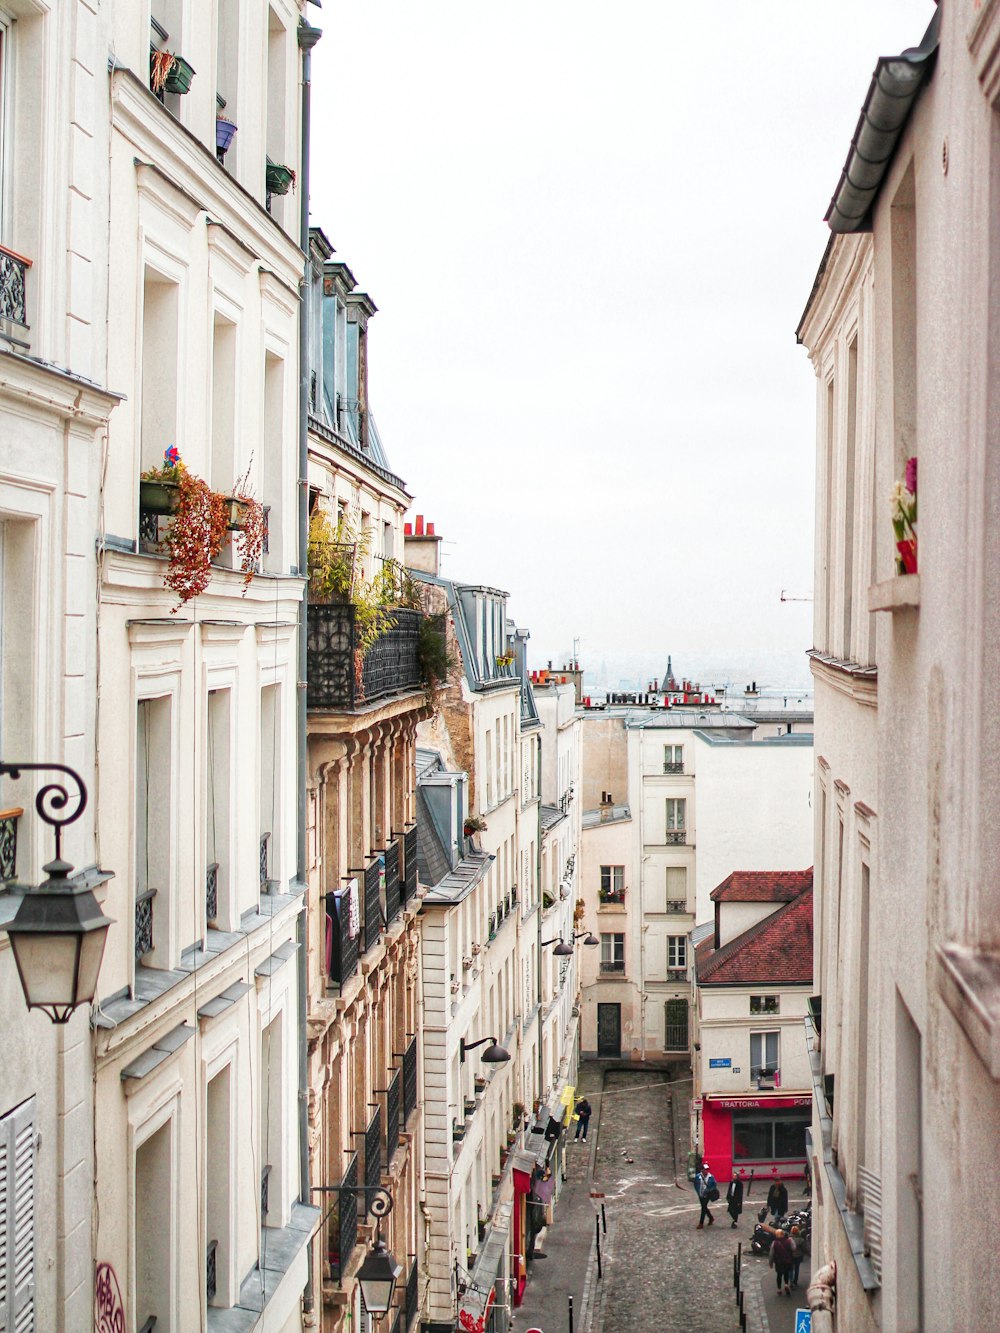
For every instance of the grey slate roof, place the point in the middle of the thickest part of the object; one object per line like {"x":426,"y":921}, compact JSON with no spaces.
{"x":618,"y":815}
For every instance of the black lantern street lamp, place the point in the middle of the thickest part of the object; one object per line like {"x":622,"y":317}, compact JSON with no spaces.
{"x":493,"y":1055}
{"x":59,"y":931}
{"x":377,"y":1279}
{"x":589,"y":939}
{"x":564,"y":948}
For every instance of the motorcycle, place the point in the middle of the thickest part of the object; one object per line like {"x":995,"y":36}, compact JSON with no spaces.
{"x":763,"y":1234}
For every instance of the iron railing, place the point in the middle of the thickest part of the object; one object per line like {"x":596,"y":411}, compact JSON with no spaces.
{"x":265,"y":1177}
{"x":13,"y":287}
{"x":373,"y":1150}
{"x":8,"y":842}
{"x":612,"y":895}
{"x":210,"y":1271}
{"x":390,"y":666}
{"x":412,"y":1295}
{"x":612,"y":964}
{"x":342,"y":1228}
{"x":373,"y":905}
{"x":670,"y":767}
{"x":265,"y":843}
{"x":676,"y":837}
{"x":392,"y":891}
{"x":144,"y":922}
{"x":409,"y":1079}
{"x":341,"y":950}
{"x":392,"y":1117}
{"x":409,"y":863}
{"x":212,"y":892}
{"x":677,"y":905}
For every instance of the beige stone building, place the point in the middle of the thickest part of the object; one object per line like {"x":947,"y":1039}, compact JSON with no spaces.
{"x":901,"y":329}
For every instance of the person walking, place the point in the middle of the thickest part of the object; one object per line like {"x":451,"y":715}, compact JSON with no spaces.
{"x":798,"y":1248}
{"x":777,"y":1200}
{"x":734,"y":1199}
{"x":780,"y":1260}
{"x":708,"y":1192}
{"x":583,"y":1110}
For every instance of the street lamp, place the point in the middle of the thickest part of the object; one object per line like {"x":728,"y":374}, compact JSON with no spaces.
{"x":493,"y":1055}
{"x":564,"y":948}
{"x":377,"y":1279}
{"x":59,"y":931}
{"x":589,"y":939}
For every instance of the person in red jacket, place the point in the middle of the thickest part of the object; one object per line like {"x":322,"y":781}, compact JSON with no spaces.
{"x":781,"y":1261}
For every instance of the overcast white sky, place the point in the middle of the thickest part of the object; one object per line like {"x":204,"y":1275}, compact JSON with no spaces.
{"x":591,"y":229}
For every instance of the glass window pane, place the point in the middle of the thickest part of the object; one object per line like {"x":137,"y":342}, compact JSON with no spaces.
{"x":752,"y":1140}
{"x":790,"y":1138}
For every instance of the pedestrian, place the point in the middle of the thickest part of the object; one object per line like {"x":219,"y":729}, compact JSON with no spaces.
{"x":708,"y":1192}
{"x":798,"y":1247}
{"x":777,"y":1200}
{"x":734,"y":1199}
{"x":583,"y":1109}
{"x":780,"y":1260}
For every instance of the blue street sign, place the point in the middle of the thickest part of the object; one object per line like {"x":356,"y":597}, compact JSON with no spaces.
{"x":720,"y":1064}
{"x":803,"y":1321}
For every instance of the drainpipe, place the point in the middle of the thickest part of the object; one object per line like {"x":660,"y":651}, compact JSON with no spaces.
{"x":308,"y":37}
{"x":538,"y":884}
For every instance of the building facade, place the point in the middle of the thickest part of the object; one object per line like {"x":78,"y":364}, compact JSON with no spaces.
{"x":907,"y":1096}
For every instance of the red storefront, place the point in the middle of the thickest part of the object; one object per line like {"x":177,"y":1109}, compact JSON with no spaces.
{"x":761,"y":1134}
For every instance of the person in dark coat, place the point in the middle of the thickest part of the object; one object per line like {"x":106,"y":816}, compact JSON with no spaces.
{"x":777,"y":1200}
{"x":780,"y":1260}
{"x":583,"y":1110}
{"x":734,"y":1199}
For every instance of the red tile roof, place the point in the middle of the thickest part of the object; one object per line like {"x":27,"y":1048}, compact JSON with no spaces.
{"x":762,"y":886}
{"x":777,"y":949}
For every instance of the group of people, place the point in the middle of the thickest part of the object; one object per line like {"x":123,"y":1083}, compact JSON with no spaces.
{"x":787,"y":1250}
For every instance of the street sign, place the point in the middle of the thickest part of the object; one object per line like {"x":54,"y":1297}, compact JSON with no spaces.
{"x":720,"y":1063}
{"x":803,"y":1321}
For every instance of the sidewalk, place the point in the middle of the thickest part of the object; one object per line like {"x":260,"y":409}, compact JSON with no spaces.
{"x":568,"y":1245}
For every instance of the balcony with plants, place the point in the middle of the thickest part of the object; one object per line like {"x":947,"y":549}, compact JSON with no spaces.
{"x":367,"y":636}
{"x":181,"y":517}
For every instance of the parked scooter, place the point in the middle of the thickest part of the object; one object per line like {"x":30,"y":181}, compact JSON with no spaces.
{"x":763,"y":1234}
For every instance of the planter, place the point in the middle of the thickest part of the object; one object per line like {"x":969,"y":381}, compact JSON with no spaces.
{"x":495,"y":1178}
{"x":159,"y":497}
{"x":907,"y":555}
{"x":224,"y":131}
{"x":458,"y":1133}
{"x":278,"y":179}
{"x":238,"y":512}
{"x":470,"y":1105}
{"x":180,"y":76}
{"x":480,"y":1084}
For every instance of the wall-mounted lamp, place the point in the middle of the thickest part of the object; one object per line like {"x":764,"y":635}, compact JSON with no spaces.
{"x":493,"y":1055}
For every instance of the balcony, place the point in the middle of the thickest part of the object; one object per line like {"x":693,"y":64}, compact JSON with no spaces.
{"x":340,"y":678}
{"x":677,"y":974}
{"x":8,"y":842}
{"x":673,"y":768}
{"x":212,"y":894}
{"x":612,"y":966}
{"x":144,"y":923}
{"x":342,"y":951}
{"x":677,"y":906}
{"x":676,"y":837}
{"x":13,"y":296}
{"x":612,"y":897}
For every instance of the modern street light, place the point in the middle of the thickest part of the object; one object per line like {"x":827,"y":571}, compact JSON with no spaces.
{"x":493,"y":1055}
{"x":59,"y":931}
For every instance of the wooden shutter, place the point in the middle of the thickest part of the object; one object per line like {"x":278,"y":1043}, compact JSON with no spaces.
{"x":17,"y":1219}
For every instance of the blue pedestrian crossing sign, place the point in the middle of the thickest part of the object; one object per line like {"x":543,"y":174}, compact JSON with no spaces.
{"x":803,"y":1321}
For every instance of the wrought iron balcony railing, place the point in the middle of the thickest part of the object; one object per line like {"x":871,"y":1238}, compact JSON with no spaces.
{"x":409,"y":1079}
{"x":8,"y":842}
{"x":677,"y":905}
{"x":265,"y":1176}
{"x":212,"y":892}
{"x":373,"y":1149}
{"x":392,"y":1100}
{"x":676,"y":837}
{"x":673,"y":768}
{"x":14,"y":287}
{"x":339,"y":678}
{"x":612,"y":964}
{"x":265,"y":839}
{"x":144,"y":922}
{"x":409,"y":863}
{"x":393,"y":897}
{"x":210,"y":1271}
{"x":342,"y":1228}
{"x":373,"y":904}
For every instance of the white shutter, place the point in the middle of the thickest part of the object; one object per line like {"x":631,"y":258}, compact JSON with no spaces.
{"x":870,"y":1191}
{"x":17,"y":1219}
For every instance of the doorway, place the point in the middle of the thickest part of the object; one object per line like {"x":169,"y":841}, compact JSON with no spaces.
{"x":609,"y":1031}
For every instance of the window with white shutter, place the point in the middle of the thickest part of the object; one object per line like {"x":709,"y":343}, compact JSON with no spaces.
{"x":17,"y":1219}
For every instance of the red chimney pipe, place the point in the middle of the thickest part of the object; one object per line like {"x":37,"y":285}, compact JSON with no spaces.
{"x":419,"y":531}
{"x":430,"y":529}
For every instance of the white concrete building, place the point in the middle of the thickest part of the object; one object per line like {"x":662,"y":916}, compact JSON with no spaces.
{"x":686,"y":796}
{"x":907,"y":952}
{"x":202,"y":1209}
{"x":53,"y":423}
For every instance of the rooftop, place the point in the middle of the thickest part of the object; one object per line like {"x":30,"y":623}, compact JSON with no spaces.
{"x":777,"y":949}
{"x":615,"y":814}
{"x":762,"y":886}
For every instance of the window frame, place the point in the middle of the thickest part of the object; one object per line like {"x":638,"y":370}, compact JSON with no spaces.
{"x":766,"y":1005}
{"x":761,"y":1037}
{"x":679,"y":804}
{"x":677,"y":948}
{"x":675,"y":764}
{"x":613,"y":944}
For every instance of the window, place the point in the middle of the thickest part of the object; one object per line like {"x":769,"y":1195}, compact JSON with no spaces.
{"x":763,"y":1054}
{"x":677,"y":951}
{"x":17,"y":1217}
{"x":6,"y":138}
{"x":676,"y":820}
{"x":676,"y":888}
{"x":763,"y":1136}
{"x":217,"y":811}
{"x":764,"y":1004}
{"x":152,"y":833}
{"x":159,"y":383}
{"x":154,"y":1249}
{"x":612,"y":953}
{"x":612,"y":884}
{"x":673,"y":759}
{"x":270,"y":786}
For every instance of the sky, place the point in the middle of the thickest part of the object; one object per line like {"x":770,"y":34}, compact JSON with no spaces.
{"x":591,"y":230}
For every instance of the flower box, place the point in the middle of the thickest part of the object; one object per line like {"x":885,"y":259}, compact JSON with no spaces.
{"x":224,"y":131}
{"x":179,"y":77}
{"x":239,"y":513}
{"x":159,"y":497}
{"x":279,"y":179}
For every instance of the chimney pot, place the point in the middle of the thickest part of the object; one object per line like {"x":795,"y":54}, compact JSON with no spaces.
{"x":407,"y":529}
{"x":430,"y":529}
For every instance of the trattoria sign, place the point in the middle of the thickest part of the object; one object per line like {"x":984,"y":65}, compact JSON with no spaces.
{"x":757,"y":1103}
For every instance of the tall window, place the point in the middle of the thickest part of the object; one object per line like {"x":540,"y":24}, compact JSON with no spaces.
{"x":217,"y":811}
{"x":763,"y":1054}
{"x":673,"y":759}
{"x":612,"y":953}
{"x":270,"y":478}
{"x":158,"y":423}
{"x":152,"y":832}
{"x":6,"y":138}
{"x":677,"y":951}
{"x":676,"y":820}
{"x":270,"y":786}
{"x":219,"y":1189}
{"x":612,"y":884}
{"x":676,"y":889}
{"x":154,"y":1250}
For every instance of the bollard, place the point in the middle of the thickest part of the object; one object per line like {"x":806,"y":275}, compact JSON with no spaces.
{"x":597,"y":1224}
{"x":604,"y":1221}
{"x":736,"y":1272}
{"x":570,"y":1314}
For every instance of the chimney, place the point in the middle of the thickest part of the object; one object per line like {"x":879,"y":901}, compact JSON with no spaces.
{"x":422,"y":548}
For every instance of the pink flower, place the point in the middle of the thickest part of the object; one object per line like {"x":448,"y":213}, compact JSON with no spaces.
{"x":911,"y":475}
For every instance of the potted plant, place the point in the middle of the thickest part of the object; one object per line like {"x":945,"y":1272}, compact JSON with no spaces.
{"x":159,"y":487}
{"x":517,"y":1114}
{"x":278,"y":179}
{"x":504,"y":660}
{"x":457,"y":1132}
{"x":247,"y":519}
{"x":904,"y":519}
{"x":169,"y":73}
{"x":474,"y":824}
{"x":480,"y":1083}
{"x":224,"y":131}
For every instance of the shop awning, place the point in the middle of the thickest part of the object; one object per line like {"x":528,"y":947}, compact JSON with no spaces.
{"x":479,"y":1295}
